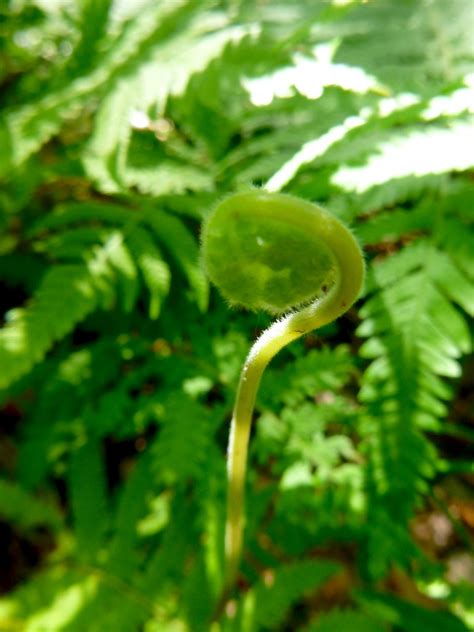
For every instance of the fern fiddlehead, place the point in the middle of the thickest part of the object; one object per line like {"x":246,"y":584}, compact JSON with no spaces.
{"x":285,"y":255}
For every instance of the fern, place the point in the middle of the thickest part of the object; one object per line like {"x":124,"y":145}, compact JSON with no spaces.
{"x":122,"y":124}
{"x":112,"y":151}
{"x":154,"y":269}
{"x":175,"y":458}
{"x":415,"y":337}
{"x":267,"y":603}
{"x":183,"y":249}
{"x":169,"y":230}
{"x":124,"y":265}
{"x":26,"y":129}
{"x":444,"y":146}
{"x":407,"y":616}
{"x":131,"y":507}
{"x":313,"y":372}
{"x":66,"y":295}
{"x":26,"y":511}
{"x":93,"y":26}
{"x":88,"y":499}
{"x":347,"y":621}
{"x":440,"y":50}
{"x":70,"y":292}
{"x":48,"y":603}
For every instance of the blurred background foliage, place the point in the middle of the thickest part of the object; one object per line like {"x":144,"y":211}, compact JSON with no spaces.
{"x":122,"y":123}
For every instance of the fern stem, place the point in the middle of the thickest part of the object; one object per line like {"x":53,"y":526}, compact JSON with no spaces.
{"x":268,"y":345}
{"x":273,"y":339}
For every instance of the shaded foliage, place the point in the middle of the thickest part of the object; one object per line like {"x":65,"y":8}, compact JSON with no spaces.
{"x":122,"y":124}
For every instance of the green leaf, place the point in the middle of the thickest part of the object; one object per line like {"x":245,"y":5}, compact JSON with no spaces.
{"x":184,"y":250}
{"x":66,"y":295}
{"x":88,"y":499}
{"x":268,"y":602}
{"x":30,"y":126}
{"x":154,"y":269}
{"x":408,"y":616}
{"x":347,"y":621}
{"x":26,"y":511}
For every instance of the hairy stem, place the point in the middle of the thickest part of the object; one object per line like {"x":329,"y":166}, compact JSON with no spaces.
{"x":274,"y":338}
{"x":277,"y":336}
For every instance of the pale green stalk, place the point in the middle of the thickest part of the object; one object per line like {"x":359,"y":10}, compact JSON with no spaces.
{"x":339,"y":298}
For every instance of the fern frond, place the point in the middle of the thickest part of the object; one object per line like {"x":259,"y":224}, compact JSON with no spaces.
{"x":91,"y":213}
{"x":203,"y":583}
{"x":50,"y":601}
{"x":109,"y":159}
{"x":93,"y":26}
{"x":452,"y":282}
{"x":88,"y":499}
{"x":153,"y":268}
{"x":175,"y":237}
{"x":315,"y":371}
{"x":398,"y":191}
{"x":174,"y":458}
{"x":267,"y":603}
{"x":30,"y":126}
{"x":162,"y":177}
{"x":73,"y":244}
{"x":169,"y":559}
{"x":131,"y":507}
{"x":209,"y":111}
{"x":367,"y":153}
{"x":65,"y":296}
{"x":25,"y":510}
{"x":128,"y":249}
{"x":416,"y":338}
{"x":407,"y":616}
{"x":347,"y":621}
{"x":434,"y":33}
{"x":391,"y":226}
{"x":211,"y":492}
{"x":458,"y":240}
{"x":122,"y":262}
{"x":432,"y":151}
{"x":105,"y":154}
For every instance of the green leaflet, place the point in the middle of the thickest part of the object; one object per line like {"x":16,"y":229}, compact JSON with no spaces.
{"x":268,"y":602}
{"x":28,"y":128}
